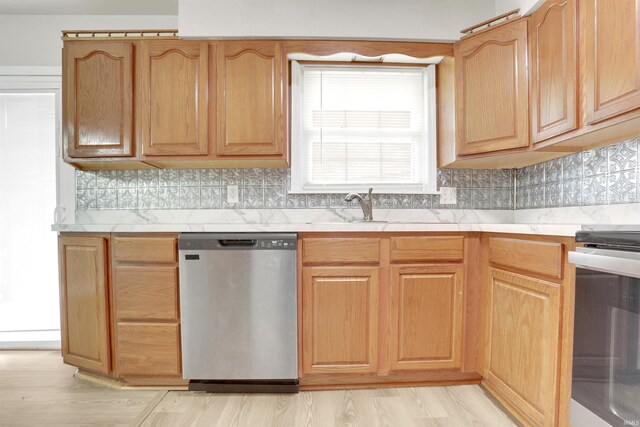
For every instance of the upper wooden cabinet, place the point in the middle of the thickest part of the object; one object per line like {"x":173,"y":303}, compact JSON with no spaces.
{"x":84,"y":302}
{"x":491,"y":90}
{"x":184,"y":103}
{"x":553,"y":49}
{"x":251,"y":95}
{"x":98,"y":99}
{"x":173,"y":98}
{"x":611,"y":41}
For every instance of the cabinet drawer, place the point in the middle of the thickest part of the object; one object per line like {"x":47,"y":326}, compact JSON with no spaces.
{"x":145,"y":249}
{"x":148,"y":349}
{"x":341,"y":251}
{"x":529,"y":255}
{"x":146,"y":292}
{"x":433,"y":248}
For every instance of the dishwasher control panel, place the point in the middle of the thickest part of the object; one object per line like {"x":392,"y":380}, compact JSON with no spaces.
{"x":237,"y":241}
{"x":277,"y":244}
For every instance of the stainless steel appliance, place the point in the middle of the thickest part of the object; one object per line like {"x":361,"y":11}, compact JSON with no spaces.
{"x":606,"y":348}
{"x":239,"y":311}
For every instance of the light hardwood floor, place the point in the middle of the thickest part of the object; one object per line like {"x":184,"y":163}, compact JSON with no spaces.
{"x":36,"y":389}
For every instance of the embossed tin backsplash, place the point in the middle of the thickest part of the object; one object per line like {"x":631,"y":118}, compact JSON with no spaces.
{"x":268,"y":189}
{"x":603,"y":176}
{"x":607,"y":175}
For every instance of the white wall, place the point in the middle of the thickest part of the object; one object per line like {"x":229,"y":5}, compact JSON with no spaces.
{"x":526,"y":6}
{"x":363,"y":19}
{"x":34,"y":40}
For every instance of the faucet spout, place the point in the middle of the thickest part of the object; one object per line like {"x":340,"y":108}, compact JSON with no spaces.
{"x":365,"y":203}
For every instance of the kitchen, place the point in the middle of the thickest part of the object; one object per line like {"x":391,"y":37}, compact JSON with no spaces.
{"x":400,"y":199}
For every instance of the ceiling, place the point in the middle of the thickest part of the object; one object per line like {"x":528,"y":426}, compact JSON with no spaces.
{"x":88,"y":7}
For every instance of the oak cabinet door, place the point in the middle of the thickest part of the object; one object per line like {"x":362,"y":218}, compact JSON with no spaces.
{"x":340,"y":320}
{"x":98,"y":99}
{"x":173,"y":100}
{"x":251,"y":79}
{"x":553,"y":47}
{"x":522,"y":343}
{"x":84,"y":302}
{"x":426,"y":316}
{"x":611,"y":39}
{"x":491,"y":90}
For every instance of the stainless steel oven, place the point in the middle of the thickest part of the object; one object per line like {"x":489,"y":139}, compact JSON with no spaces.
{"x":606,"y":347}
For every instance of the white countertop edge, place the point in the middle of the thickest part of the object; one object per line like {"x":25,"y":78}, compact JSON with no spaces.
{"x":536,"y":229}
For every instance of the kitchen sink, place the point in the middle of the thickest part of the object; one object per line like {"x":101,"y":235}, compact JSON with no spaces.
{"x":373,"y":222}
{"x":345,"y":222}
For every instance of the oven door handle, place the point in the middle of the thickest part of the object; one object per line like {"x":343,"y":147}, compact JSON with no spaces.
{"x":622,"y":263}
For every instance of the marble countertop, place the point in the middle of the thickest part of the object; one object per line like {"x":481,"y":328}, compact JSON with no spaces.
{"x":540,"y":229}
{"x":552,"y":221}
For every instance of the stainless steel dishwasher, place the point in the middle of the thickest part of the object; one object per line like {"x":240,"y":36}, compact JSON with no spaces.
{"x":238,"y":308}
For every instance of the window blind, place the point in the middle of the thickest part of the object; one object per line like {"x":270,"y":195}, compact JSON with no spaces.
{"x":28,"y":295}
{"x":363,"y":125}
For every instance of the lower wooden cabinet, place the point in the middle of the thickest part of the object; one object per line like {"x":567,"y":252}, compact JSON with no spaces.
{"x":340,"y":320}
{"x":426,"y":316}
{"x":528,"y":326}
{"x":84,"y":302}
{"x":146,"y":310}
{"x":521,"y":356}
{"x":120,"y":307}
{"x":389,"y":310}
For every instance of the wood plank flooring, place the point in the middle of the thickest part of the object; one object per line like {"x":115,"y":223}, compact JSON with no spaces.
{"x":37,"y":389}
{"x":404,"y":407}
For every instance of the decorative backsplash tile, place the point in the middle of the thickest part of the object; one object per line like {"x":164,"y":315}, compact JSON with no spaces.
{"x":606,"y":175}
{"x":268,"y":189}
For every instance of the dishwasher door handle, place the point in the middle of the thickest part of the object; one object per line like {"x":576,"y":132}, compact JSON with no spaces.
{"x":238,"y":243}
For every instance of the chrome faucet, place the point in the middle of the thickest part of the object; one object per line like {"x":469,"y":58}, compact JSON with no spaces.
{"x":365,"y":203}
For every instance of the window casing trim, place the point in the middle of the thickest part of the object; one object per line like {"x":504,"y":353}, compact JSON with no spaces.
{"x":299,"y":152}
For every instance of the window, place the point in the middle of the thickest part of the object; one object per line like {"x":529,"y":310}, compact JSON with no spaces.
{"x":29,"y":304}
{"x":356,"y":126}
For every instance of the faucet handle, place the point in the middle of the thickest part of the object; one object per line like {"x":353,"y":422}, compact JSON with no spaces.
{"x":370,"y":191}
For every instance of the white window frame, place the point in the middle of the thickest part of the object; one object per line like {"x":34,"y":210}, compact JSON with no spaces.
{"x":299,"y":151}
{"x":46,"y":80}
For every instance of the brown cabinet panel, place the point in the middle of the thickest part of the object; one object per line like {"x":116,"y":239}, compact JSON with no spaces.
{"x":148,"y":349}
{"x":611,"y":39}
{"x":341,"y":250}
{"x":98,"y":99}
{"x":522,"y":344}
{"x":426,"y":316}
{"x":553,"y":48}
{"x":145,"y":249}
{"x":340,"y":320}
{"x":426,"y":248}
{"x":146,"y":292}
{"x":491,"y":90}
{"x":251,"y":94}
{"x":84,"y":302}
{"x":173,"y":101}
{"x":545,"y":258}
